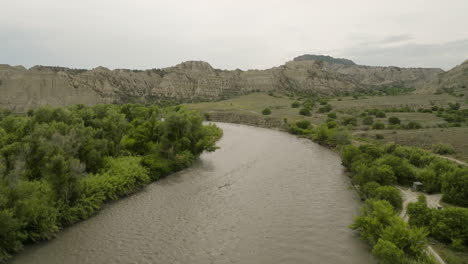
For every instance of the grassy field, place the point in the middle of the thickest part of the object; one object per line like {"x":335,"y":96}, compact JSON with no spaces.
{"x":251,"y":106}
{"x":382,"y":102}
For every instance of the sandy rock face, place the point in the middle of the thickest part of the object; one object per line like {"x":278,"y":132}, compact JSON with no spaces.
{"x":454,"y":80}
{"x":23,"y":89}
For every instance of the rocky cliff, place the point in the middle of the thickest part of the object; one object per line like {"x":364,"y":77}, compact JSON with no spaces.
{"x":22,"y":89}
{"x":454,"y":81}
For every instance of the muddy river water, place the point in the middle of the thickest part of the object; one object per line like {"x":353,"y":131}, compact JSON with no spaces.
{"x":264,"y":197}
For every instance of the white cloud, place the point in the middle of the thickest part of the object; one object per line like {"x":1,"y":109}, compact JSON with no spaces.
{"x":229,"y":34}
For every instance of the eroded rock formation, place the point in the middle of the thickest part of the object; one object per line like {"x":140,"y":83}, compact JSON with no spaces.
{"x":22,"y":89}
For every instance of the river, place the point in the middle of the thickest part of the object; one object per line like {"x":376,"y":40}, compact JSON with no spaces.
{"x":264,"y":197}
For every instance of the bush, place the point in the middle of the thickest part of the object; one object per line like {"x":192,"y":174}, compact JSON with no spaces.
{"x":350,"y":121}
{"x":455,"y":187}
{"x":413,"y":125}
{"x":368,"y":120}
{"x":392,"y":240}
{"x":331,"y":124}
{"x":332,"y":115}
{"x":324,"y":109}
{"x":305,"y":112}
{"x":443,"y":149}
{"x":390,"y":194}
{"x":296,"y":104}
{"x":380,"y":114}
{"x":304,"y":124}
{"x":394,"y":120}
{"x":378,"y":125}
{"x":266,"y":111}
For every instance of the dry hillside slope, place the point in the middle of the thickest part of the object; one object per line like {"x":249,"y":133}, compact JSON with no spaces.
{"x":22,"y":89}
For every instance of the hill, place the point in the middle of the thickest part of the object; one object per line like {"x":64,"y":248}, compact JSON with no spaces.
{"x":192,"y":81}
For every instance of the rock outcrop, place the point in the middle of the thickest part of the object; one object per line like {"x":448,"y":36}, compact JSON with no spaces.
{"x":454,"y":81}
{"x":22,"y":89}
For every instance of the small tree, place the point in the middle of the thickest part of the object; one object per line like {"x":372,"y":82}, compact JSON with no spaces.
{"x":266,"y":111}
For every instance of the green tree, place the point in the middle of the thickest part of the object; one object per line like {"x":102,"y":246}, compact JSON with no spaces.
{"x":387,"y":252}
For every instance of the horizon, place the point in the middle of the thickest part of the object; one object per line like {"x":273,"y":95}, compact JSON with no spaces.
{"x":214,"y":67}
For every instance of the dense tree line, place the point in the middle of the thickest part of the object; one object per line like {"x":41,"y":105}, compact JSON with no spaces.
{"x":391,"y":239}
{"x":59,"y":165}
{"x":449,"y":225}
{"x":394,"y":164}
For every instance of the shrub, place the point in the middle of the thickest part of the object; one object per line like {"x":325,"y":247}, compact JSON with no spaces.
{"x":266,"y":111}
{"x":350,"y":121}
{"x":390,"y":194}
{"x":324,"y":109}
{"x":304,"y":124}
{"x":305,"y":112}
{"x":332,"y":115}
{"x":413,"y":125}
{"x":442,"y":148}
{"x":368,"y":120}
{"x":380,"y":114}
{"x":393,"y":120}
{"x":331,"y":124}
{"x":455,"y":187}
{"x":378,"y":125}
{"x":296,"y":104}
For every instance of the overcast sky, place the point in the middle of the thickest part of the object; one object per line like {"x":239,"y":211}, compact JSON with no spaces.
{"x":245,"y":34}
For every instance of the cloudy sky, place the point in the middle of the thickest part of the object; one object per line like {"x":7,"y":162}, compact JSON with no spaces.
{"x":229,"y":34}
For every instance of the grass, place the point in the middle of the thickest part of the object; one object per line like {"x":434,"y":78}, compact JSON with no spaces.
{"x":449,"y":255}
{"x":383,"y":102}
{"x":251,"y":106}
{"x":425,"y":138}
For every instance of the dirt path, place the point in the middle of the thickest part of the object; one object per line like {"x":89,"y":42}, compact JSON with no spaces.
{"x":433,"y":201}
{"x":454,"y":160}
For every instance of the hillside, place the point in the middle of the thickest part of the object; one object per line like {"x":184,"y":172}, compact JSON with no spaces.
{"x":23,"y":89}
{"x":454,"y":81}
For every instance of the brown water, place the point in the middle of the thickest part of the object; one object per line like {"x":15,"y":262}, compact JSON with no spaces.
{"x":264,"y":197}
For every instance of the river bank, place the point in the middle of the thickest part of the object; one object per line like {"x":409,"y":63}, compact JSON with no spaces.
{"x":264,"y":197}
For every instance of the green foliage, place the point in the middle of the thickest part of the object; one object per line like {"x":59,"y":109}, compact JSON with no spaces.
{"x":350,"y":121}
{"x":59,"y":165}
{"x":266,"y":111}
{"x":378,"y":125}
{"x":368,"y":120}
{"x":296,"y":104}
{"x":380,"y":114}
{"x":443,"y":149}
{"x":392,"y":240}
{"x":455,"y":187}
{"x":387,"y":252}
{"x":326,"y":108}
{"x":304,"y":124}
{"x":449,"y":225}
{"x":305,"y":112}
{"x":393,"y":120}
{"x":413,"y":125}
{"x":332,"y":115}
{"x":390,"y":194}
